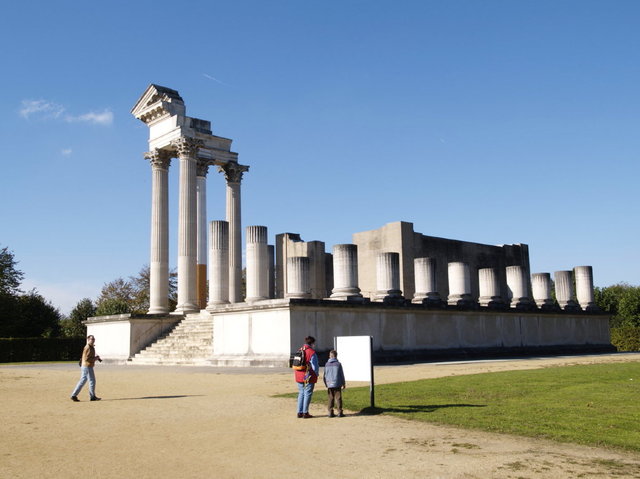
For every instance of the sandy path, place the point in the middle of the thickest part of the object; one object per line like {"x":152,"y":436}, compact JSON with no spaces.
{"x":207,"y":422}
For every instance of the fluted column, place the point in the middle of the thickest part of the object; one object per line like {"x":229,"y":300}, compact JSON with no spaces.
{"x":298,"y":280}
{"x":201,"y":207}
{"x":584,"y":287}
{"x":459,"y":285}
{"x":233,"y":174}
{"x":257,"y":264}
{"x":345,"y":272}
{"x":187,"y":149}
{"x":425,"y":279}
{"x":159,"y":258}
{"x":388,"y":277}
{"x":490,"y":295}
{"x":564,"y":290}
{"x":218,"y":263}
{"x":541,"y":285}
{"x":518,"y":284}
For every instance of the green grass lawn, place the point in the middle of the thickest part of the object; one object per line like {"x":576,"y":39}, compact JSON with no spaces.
{"x":597,"y":405}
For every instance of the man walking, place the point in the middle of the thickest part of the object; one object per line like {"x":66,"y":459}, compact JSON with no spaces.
{"x":87,"y":362}
{"x":334,"y":380}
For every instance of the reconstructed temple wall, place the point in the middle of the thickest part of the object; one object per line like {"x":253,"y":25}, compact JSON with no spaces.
{"x":399,"y":237}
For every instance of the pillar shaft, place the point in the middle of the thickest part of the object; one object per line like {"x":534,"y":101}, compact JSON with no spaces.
{"x":257,"y":264}
{"x":388,"y":277}
{"x":489,"y":283}
{"x":541,"y":286}
{"x":201,"y":208}
{"x":298,"y":280}
{"x":584,"y":287}
{"x":425,"y":278}
{"x":233,"y":174}
{"x":564,"y":290}
{"x":159,"y":258}
{"x":187,"y":225}
{"x":459,"y":284}
{"x":345,"y":272}
{"x":218,"y":263}
{"x":518,"y":284}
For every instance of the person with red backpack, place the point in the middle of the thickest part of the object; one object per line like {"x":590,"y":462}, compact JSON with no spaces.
{"x":306,"y":375}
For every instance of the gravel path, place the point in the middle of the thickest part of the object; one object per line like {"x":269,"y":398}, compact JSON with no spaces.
{"x":156,"y":422}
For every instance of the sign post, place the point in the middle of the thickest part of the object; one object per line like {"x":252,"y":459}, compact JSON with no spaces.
{"x":356,"y":355}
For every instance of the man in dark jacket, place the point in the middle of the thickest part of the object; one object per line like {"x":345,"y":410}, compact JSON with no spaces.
{"x":334,"y":380}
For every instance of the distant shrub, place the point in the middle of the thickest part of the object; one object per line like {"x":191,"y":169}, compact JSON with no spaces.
{"x":13,"y":350}
{"x":626,"y":338}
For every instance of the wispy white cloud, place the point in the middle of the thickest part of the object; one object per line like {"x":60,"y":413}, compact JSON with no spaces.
{"x":66,"y":151}
{"x":41,"y":109}
{"x":102,"y":118}
{"x":47,"y":110}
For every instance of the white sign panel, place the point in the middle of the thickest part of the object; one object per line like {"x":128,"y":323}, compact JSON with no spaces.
{"x":354,"y":352}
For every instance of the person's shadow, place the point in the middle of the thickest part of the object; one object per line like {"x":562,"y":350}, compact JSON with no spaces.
{"x":156,"y":397}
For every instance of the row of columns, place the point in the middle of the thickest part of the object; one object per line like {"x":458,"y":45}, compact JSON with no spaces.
{"x":192,"y":229}
{"x":345,"y":271}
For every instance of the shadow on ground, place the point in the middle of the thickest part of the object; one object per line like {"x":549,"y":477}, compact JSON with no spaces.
{"x":156,"y":397}
{"x":413,"y":408}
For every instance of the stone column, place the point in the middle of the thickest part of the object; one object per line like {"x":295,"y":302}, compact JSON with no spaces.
{"x":257,"y":264}
{"x":233,"y":174}
{"x":518,"y":284}
{"x":388,"y":277}
{"x":345,"y":272}
{"x":459,"y":285}
{"x":490,"y":295}
{"x":425,"y":278}
{"x":187,"y":149}
{"x":584,"y":288}
{"x":564,"y":291}
{"x":218,"y":263}
{"x":159,"y":260}
{"x":201,"y":207}
{"x":298,"y":280}
{"x":541,"y":285}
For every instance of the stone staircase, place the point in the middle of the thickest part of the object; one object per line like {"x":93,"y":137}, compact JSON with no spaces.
{"x":190,"y":343}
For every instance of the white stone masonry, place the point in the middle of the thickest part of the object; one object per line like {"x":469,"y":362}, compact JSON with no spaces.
{"x":218,"y":263}
{"x":388,"y":277}
{"x":257,"y":264}
{"x":298,"y":280}
{"x":345,"y":272}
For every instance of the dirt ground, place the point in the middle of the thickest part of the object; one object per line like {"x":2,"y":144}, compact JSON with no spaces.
{"x":168,"y":422}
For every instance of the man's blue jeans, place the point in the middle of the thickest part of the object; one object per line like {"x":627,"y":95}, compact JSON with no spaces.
{"x":87,"y":373}
{"x":305,"y":391}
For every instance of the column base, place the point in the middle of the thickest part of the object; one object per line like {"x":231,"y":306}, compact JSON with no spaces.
{"x":187,"y":308}
{"x":385,"y":296}
{"x":158,"y":310}
{"x":464,"y":301}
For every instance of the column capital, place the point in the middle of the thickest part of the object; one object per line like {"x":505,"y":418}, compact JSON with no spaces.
{"x":202,"y":167}
{"x":160,"y":159}
{"x":187,"y":147}
{"x":233,"y":171}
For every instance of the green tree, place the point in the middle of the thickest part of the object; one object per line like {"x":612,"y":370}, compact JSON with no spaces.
{"x":72,"y":326}
{"x":622,"y":302}
{"x":10,"y":277}
{"x":36,"y":317}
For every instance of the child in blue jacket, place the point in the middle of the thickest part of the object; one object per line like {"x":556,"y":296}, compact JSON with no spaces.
{"x":334,"y":380}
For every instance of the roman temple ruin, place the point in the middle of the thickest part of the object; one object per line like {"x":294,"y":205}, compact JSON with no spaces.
{"x":419,"y":296}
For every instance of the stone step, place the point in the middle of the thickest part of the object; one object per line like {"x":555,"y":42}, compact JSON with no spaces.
{"x":189,"y":343}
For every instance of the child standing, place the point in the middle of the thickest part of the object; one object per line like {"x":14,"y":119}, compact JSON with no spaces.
{"x":334,"y":380}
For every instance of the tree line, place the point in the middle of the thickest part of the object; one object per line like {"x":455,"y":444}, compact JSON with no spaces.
{"x":29,"y":314}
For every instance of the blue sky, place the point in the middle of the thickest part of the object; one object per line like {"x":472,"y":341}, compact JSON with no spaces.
{"x":494,"y":122}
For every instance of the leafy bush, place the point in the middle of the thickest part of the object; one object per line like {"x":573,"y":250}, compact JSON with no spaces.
{"x":14,"y":350}
{"x":626,"y":338}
